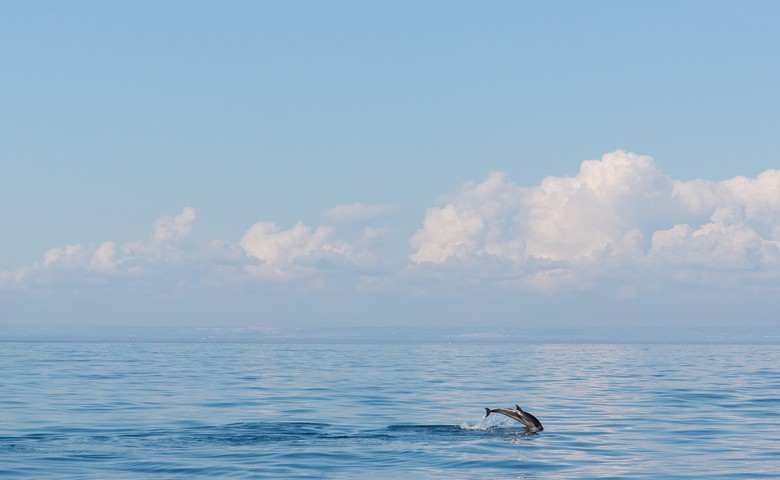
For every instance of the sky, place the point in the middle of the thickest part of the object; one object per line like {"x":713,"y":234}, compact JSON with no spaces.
{"x":495,"y":164}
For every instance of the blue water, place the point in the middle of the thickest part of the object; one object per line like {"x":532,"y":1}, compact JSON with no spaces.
{"x":210,"y":410}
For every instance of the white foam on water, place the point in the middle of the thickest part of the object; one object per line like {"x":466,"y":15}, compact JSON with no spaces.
{"x":489,"y":423}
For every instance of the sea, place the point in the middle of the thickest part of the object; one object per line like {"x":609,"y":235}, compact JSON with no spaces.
{"x":367,"y":410}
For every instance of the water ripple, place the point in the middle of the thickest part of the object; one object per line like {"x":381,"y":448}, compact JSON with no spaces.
{"x":95,"y":411}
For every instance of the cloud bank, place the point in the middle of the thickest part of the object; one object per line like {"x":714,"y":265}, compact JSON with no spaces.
{"x":619,"y":215}
{"x":98,"y":263}
{"x":620,"y":226}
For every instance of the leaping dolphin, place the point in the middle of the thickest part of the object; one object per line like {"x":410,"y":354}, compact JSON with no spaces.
{"x":520,"y":415}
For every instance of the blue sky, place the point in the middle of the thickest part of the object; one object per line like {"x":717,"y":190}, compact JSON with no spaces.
{"x":351,"y":163}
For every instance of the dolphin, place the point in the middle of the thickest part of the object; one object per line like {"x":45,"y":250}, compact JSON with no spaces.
{"x":520,"y":415}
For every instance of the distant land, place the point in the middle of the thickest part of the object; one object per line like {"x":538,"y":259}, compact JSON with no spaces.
{"x":387,"y":335}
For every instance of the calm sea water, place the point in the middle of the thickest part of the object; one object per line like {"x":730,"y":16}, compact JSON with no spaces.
{"x":209,"y":410}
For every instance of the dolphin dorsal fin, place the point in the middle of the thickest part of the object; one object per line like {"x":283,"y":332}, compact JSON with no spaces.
{"x":517,"y":407}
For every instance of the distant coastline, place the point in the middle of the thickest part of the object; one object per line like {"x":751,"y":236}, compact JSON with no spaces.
{"x":389,"y":335}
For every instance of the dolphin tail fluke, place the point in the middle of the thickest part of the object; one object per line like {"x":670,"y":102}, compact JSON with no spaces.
{"x":487,"y":412}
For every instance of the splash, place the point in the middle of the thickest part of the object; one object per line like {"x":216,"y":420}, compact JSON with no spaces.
{"x":490,"y":423}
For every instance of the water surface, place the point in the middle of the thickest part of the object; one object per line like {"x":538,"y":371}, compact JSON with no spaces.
{"x":214,"y":410}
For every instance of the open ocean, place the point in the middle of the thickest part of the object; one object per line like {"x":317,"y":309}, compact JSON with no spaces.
{"x":102,"y":410}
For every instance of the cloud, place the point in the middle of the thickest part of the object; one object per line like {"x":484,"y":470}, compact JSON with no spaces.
{"x":619,"y":225}
{"x":13,"y":278}
{"x":620,"y":215}
{"x":88,"y":262}
{"x":741,"y":230}
{"x":105,"y":258}
{"x":69,"y":256}
{"x":564,"y":219}
{"x":358,"y":212}
{"x":600,"y":210}
{"x":477,"y":221}
{"x":264,"y":252}
{"x":283,"y":253}
{"x":168,"y":229}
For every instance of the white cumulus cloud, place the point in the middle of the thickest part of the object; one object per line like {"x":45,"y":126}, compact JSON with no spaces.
{"x":89,"y":261}
{"x":168,"y":229}
{"x":578,"y":218}
{"x":282,"y":252}
{"x":480,"y":220}
{"x":68,"y":256}
{"x":618,"y":213}
{"x":105,"y":257}
{"x":620,"y":224}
